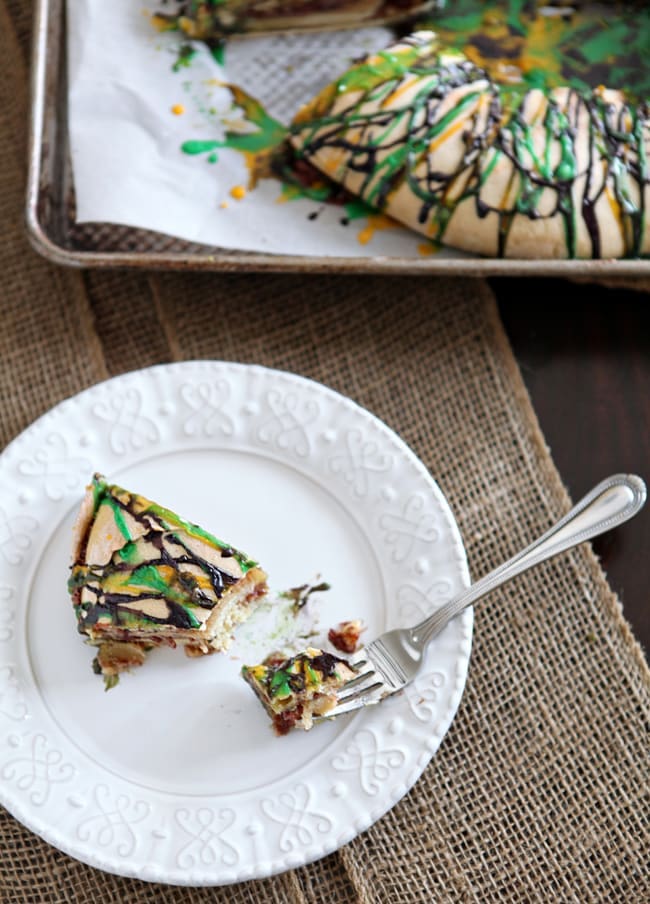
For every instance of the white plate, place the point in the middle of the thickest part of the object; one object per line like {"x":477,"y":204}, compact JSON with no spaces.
{"x":175,"y":775}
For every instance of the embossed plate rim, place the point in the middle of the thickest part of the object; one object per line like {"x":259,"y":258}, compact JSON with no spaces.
{"x":391,"y":744}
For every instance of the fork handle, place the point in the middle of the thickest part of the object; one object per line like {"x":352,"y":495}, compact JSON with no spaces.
{"x":610,"y":503}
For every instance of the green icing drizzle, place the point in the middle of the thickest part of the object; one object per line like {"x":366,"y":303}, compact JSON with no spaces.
{"x":118,"y":514}
{"x":103,"y":493}
{"x":267,"y":134}
{"x":358,"y":210}
{"x":149,"y":576}
{"x":199,"y":147}
{"x":154,"y":566}
{"x":172,"y":521}
{"x":128,"y":553}
{"x":292,"y":676}
{"x":279,"y":685}
{"x":219,"y":53}
{"x":186,"y":54}
{"x":102,"y":496}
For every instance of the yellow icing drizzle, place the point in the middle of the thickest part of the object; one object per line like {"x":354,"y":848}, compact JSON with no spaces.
{"x":448,"y":132}
{"x":376,"y":223}
{"x":399,"y":91}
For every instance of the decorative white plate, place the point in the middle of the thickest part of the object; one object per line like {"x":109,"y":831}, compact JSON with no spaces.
{"x":175,"y":775}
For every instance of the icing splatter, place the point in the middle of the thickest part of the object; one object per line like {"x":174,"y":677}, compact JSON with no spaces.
{"x":256,"y":135}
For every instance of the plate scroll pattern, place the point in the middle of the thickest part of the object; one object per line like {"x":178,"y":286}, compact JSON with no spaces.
{"x":111,"y":824}
{"x":300,"y":822}
{"x":208,"y":832}
{"x":35,"y":767}
{"x":108,"y":821}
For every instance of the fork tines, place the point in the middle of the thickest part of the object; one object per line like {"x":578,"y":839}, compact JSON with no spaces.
{"x":360,"y":691}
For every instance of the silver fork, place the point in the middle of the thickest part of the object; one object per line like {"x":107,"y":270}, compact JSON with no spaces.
{"x":389,"y":663}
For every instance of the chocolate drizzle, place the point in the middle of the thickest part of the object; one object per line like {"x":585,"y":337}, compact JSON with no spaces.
{"x":218,"y":578}
{"x":170,"y":573}
{"x":290,"y":676}
{"x":326,"y":663}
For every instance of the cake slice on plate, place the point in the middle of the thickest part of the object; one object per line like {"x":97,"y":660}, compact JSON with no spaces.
{"x":142,"y":577}
{"x":295,"y":690}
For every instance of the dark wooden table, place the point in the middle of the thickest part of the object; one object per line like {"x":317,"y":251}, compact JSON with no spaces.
{"x":584,"y":352}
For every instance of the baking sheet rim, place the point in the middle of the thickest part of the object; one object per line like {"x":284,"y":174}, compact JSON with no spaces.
{"x":216,"y":259}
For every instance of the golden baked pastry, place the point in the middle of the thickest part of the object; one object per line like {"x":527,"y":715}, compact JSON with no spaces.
{"x":425,"y":135}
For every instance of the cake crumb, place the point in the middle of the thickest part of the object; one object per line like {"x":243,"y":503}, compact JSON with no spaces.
{"x":300,"y":595}
{"x":345,"y":637}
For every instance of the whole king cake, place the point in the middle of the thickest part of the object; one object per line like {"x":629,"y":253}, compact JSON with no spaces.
{"x":214,"y":19}
{"x":427,"y":136}
{"x":465,"y":141}
{"x":143,"y":577}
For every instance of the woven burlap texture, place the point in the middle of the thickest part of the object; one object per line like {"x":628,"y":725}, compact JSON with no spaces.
{"x":537,"y":792}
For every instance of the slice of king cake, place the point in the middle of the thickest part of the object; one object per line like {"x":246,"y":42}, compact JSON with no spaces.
{"x":142,"y":577}
{"x":293,"y":691}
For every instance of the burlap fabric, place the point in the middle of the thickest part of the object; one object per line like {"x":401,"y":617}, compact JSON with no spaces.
{"x":538,"y":792}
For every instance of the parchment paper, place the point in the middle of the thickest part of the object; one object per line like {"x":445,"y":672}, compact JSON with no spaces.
{"x":133,"y":106}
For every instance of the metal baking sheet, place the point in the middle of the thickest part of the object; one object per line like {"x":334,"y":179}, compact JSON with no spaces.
{"x":54,"y":233}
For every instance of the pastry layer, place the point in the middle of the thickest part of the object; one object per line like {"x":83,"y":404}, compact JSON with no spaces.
{"x":426,"y":136}
{"x":141,"y":574}
{"x":295,"y":690}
